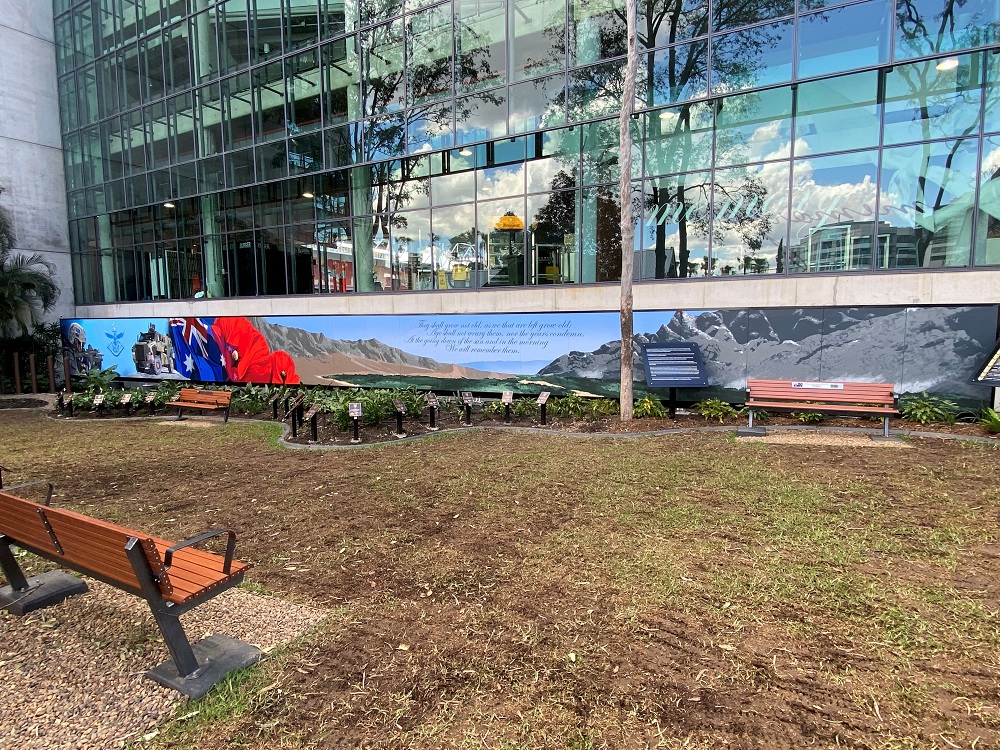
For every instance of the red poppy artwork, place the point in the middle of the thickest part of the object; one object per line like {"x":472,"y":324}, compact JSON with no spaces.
{"x":246,"y":356}
{"x":283,"y":369}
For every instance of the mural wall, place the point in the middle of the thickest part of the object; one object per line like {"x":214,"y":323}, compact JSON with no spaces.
{"x":918,"y":348}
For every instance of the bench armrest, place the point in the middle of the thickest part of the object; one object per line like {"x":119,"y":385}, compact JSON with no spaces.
{"x":168,"y":556}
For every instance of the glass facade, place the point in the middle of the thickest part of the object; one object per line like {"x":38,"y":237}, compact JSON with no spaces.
{"x":292,"y":147}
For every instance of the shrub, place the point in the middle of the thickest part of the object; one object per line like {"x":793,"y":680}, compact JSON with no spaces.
{"x":603,"y":407}
{"x":648,"y":407}
{"x":571,"y":406}
{"x":714,"y":408}
{"x":990,"y":420}
{"x":924,"y":409}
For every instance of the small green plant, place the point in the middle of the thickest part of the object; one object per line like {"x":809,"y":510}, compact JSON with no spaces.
{"x":414,"y":401}
{"x":648,"y":407}
{"x":923,"y":409}
{"x":715,"y":409}
{"x":603,"y":407}
{"x":100,"y":381}
{"x":166,"y":391}
{"x":571,"y":406}
{"x":808,"y":417}
{"x":990,"y":420}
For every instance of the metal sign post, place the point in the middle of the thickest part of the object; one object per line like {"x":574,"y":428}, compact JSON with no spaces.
{"x":311,"y":418}
{"x":400,"y":411}
{"x":542,"y":398}
{"x":507,"y":399}
{"x":467,"y":402}
{"x":127,"y":403}
{"x":432,"y":402}
{"x":354,"y":410}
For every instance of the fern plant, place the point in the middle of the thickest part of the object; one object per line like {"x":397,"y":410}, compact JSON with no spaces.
{"x":808,"y":417}
{"x":990,"y":421}
{"x":925,"y":409}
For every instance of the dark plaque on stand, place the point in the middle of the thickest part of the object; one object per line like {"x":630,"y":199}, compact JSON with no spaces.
{"x":673,"y":366}
{"x":989,"y":373}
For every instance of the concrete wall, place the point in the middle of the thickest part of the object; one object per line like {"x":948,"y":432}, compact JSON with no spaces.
{"x":845,"y":290}
{"x":31,"y":163}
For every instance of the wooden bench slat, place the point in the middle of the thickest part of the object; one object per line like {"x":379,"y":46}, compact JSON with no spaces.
{"x":98,"y":546}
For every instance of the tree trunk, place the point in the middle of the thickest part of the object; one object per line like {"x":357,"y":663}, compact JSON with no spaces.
{"x":627,"y":226}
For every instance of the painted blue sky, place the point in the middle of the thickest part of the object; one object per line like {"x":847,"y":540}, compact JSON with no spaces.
{"x":479,"y":339}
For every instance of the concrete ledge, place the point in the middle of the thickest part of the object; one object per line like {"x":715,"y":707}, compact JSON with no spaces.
{"x":43,"y":591}
{"x":218,"y":655}
{"x":750,"y":432}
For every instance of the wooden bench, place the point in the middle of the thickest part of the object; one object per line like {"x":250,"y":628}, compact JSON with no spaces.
{"x":172,"y":578}
{"x":862,"y":399}
{"x":205,"y":400}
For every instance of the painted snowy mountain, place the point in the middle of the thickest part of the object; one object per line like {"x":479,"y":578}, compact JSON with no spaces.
{"x":935,"y":349}
{"x":318,"y":357}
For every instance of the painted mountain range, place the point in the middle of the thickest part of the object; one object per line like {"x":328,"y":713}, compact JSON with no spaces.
{"x":932,"y":349}
{"x":319,"y":359}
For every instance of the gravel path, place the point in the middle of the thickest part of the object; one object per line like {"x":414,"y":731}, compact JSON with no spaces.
{"x":73,"y":674}
{"x":824,"y":437}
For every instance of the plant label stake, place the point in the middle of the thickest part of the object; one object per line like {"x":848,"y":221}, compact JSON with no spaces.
{"x":467,"y":402}
{"x":274,"y":405}
{"x":61,"y":403}
{"x":311,"y":417}
{"x":151,"y":400}
{"x":400,"y":411}
{"x":507,"y":399}
{"x":127,"y":403}
{"x":354,"y":410}
{"x":432,"y":402}
{"x":99,"y":403}
{"x":542,"y":398}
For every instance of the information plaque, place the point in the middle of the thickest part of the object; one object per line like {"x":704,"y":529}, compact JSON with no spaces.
{"x":432,"y":399}
{"x":507,"y":397}
{"x":467,"y":397}
{"x":542,"y":397}
{"x":354,"y":409}
{"x":677,"y":365}
{"x":989,"y":373}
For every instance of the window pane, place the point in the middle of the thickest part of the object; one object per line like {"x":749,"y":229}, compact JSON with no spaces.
{"x":923,"y":101}
{"x":501,"y":223}
{"x":537,"y":43}
{"x":675,"y":226}
{"x":481,"y":39}
{"x":234,"y":47}
{"x":302,"y":82}
{"x":481,"y":116}
{"x":595,"y":91}
{"x":342,"y":84}
{"x":382,"y":56}
{"x":678,"y":139}
{"x":924,"y":27}
{"x":663,"y":22}
{"x":832,"y":219}
{"x":926,"y":205}
{"x":597,"y":31}
{"x":731,"y":14}
{"x":266,"y":32}
{"x":430,"y":128}
{"x":429,"y":42}
{"x":600,"y":234}
{"x":753,"y":127}
{"x":269,"y":95}
{"x":837,"y":114}
{"x":988,"y":229}
{"x":678,"y":73}
{"x":760,"y":56}
{"x":992,"y":121}
{"x":537,"y":104}
{"x":552,"y":238}
{"x":856,"y":36}
{"x":749,"y":220}
{"x":236,"y":95}
{"x":301,"y":23}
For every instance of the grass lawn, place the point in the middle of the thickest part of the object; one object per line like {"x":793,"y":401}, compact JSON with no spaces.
{"x":509,"y":590}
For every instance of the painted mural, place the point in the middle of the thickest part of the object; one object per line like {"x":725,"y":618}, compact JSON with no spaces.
{"x":936,"y":349}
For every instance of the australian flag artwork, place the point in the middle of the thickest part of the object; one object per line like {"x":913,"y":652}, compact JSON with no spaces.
{"x":197,"y":353}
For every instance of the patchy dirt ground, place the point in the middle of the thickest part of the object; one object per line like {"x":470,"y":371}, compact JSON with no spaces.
{"x":511,"y":590}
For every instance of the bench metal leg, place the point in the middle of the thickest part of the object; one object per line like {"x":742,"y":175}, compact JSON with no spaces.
{"x":885,"y":427}
{"x":750,"y":412}
{"x":180,"y":414}
{"x":11,"y":570}
{"x":169,"y":625}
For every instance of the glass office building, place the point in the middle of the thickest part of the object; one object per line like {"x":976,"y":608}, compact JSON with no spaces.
{"x":242,"y":148}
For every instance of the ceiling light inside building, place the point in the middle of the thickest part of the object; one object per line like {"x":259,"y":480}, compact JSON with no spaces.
{"x":465,"y":152}
{"x":307,"y":194}
{"x":949,"y":63}
{"x":168,"y":204}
